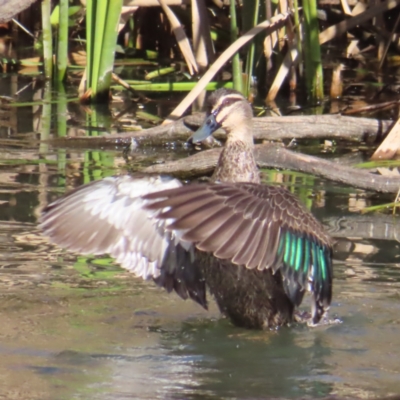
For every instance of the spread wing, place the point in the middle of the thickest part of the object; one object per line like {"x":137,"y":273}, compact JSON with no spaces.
{"x":257,"y":226}
{"x":108,"y":217}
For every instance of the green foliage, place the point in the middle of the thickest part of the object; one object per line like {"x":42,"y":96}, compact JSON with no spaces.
{"x":312,"y":51}
{"x":102,"y":19}
{"x":47,"y":39}
{"x":55,"y":15}
{"x":236,"y":67}
{"x":250,"y":14}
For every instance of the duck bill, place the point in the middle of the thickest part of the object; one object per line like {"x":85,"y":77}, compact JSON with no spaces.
{"x":209,"y":126}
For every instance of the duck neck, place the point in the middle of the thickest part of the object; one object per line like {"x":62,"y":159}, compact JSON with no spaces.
{"x":237,"y":162}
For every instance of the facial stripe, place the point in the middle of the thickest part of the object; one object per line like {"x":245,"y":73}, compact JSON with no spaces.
{"x":228,"y":98}
{"x":222,"y":107}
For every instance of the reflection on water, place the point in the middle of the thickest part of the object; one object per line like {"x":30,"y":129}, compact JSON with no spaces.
{"x":81,"y":328}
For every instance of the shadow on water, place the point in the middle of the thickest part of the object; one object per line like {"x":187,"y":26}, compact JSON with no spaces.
{"x":79,"y":327}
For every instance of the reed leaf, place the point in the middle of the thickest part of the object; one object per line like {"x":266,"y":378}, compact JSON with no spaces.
{"x":250,"y":19}
{"x":145,"y":86}
{"x":102,"y":19}
{"x":236,"y":68}
{"x":62,"y":42}
{"x":312,"y":51}
{"x":47,"y":39}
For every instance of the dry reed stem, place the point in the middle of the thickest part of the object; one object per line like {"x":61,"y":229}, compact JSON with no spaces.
{"x":346,"y":7}
{"x":201,"y":33}
{"x":275,"y":23}
{"x":328,"y":34}
{"x":181,"y":38}
{"x":390,"y":146}
{"x":343,"y":26}
{"x":290,"y":59}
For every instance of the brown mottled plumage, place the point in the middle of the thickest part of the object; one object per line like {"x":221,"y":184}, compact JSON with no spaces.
{"x":236,"y":164}
{"x":256,"y":247}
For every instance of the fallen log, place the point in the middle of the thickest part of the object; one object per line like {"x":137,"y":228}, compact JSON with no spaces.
{"x":336,"y":127}
{"x":276,"y":156}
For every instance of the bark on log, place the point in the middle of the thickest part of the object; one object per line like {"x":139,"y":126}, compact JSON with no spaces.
{"x":267,"y":128}
{"x":10,"y":8}
{"x":321,"y":126}
{"x":275,"y":156}
{"x":335,"y":127}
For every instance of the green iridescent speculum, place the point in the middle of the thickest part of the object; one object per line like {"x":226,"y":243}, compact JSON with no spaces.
{"x":299,"y":252}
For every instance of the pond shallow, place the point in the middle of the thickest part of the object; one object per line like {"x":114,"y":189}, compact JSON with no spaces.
{"x":141,"y":343}
{"x":79,"y":328}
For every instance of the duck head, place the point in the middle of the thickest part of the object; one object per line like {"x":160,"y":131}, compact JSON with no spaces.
{"x":227,"y":109}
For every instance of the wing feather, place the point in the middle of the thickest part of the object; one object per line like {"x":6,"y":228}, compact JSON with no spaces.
{"x":143,"y":223}
{"x":245,"y":253}
{"x":108,"y":216}
{"x":258,"y":226}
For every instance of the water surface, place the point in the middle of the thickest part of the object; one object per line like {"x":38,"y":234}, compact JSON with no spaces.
{"x":81,"y":328}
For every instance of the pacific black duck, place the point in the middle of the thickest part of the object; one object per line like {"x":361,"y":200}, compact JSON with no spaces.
{"x":256,"y":247}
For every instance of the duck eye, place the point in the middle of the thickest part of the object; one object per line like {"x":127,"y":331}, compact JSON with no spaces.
{"x":230,"y":100}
